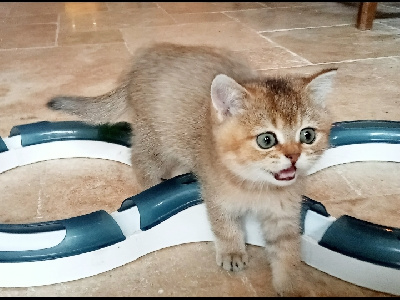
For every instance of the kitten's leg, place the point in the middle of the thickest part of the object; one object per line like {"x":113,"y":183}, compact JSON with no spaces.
{"x":175,"y":168}
{"x":150,"y":160}
{"x":229,"y":237}
{"x":146,"y":175}
{"x":282,"y":236}
{"x":229,"y":243}
{"x":146,"y":163}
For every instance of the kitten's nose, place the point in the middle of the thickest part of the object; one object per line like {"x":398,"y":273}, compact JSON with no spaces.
{"x":293,"y":157}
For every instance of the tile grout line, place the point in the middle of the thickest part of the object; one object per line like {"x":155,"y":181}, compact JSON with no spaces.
{"x":247,"y":9}
{"x":282,"y":47}
{"x":57,"y":30}
{"x":389,"y":6}
{"x":349,"y":183}
{"x":357,"y":59}
{"x":302,"y":28}
{"x":51,"y":47}
{"x":126,"y":45}
{"x":293,"y":6}
{"x":39,"y":208}
{"x":270,"y":8}
{"x":235,"y":10}
{"x":334,"y":62}
{"x":291,"y":67}
{"x":39,"y":205}
{"x":383,"y":24}
{"x":247,"y":283}
{"x":269,"y":40}
{"x":27,"y":48}
{"x":168,"y":14}
{"x":33,"y":23}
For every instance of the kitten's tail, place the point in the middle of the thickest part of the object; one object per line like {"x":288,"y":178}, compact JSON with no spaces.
{"x":95,"y":110}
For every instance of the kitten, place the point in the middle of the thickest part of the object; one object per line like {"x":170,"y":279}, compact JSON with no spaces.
{"x":249,"y":140}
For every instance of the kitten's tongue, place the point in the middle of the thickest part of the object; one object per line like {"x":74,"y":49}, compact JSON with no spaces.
{"x":287,"y":174}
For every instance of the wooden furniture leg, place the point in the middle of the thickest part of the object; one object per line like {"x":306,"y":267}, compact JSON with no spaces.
{"x":366,"y":15}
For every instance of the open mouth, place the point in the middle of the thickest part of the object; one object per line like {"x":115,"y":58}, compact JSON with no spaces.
{"x":286,"y":174}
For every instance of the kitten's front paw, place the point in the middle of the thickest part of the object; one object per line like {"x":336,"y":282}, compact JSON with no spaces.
{"x":232,"y":261}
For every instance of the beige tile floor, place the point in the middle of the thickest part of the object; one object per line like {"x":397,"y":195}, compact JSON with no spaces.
{"x":81,"y":48}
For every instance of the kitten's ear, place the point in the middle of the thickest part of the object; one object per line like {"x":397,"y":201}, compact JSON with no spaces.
{"x":320,"y":85}
{"x":227,"y":96}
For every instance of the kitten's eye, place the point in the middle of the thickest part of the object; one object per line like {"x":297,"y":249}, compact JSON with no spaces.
{"x":266,"y":140}
{"x":307,"y":135}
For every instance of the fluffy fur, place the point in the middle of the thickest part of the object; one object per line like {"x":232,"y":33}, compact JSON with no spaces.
{"x":247,"y":139}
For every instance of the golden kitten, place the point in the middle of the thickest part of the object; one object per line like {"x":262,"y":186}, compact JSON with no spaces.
{"x":249,"y":140}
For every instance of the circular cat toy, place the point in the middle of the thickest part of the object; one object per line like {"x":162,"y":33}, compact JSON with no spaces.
{"x":36,"y":254}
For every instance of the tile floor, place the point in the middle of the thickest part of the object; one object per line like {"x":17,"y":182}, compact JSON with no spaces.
{"x":81,"y":48}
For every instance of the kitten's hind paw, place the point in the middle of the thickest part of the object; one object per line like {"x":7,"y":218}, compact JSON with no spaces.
{"x":290,"y":285}
{"x":232,"y":261}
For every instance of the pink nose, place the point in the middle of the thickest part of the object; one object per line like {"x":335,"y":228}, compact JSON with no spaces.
{"x":293,"y":157}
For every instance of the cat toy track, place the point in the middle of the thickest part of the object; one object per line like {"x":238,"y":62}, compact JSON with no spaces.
{"x":36,"y":254}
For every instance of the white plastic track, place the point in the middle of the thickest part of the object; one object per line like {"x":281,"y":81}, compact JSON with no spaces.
{"x":189,"y":225}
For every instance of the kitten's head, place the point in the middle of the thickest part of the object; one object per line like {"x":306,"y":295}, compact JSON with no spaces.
{"x":273,"y":130}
